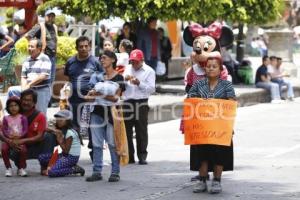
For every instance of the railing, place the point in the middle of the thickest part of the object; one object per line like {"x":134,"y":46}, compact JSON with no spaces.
{"x":76,"y":30}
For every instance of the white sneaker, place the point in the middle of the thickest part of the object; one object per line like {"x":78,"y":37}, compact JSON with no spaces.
{"x":215,"y":187}
{"x":277,"y":101}
{"x":22,"y":172}
{"x":8,"y":172}
{"x":200,"y":186}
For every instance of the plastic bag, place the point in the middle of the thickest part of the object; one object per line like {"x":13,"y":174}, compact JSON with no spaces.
{"x":160,"y":68}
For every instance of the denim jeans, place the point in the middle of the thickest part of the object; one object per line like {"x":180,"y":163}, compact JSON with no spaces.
{"x":44,"y":95}
{"x":53,"y":68}
{"x":272,"y":87}
{"x":152,"y":63}
{"x":281,"y":82}
{"x":102,"y":130}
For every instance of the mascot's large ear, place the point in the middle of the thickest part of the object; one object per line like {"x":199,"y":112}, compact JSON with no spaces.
{"x":187,"y":36}
{"x":226,"y":38}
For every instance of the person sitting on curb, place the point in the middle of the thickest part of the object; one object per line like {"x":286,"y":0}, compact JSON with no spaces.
{"x":263,"y":80}
{"x":278,"y":75}
{"x":37,"y":141}
{"x":69,"y":140}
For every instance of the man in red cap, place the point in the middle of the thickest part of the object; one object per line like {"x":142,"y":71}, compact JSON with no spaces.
{"x":140,"y":84}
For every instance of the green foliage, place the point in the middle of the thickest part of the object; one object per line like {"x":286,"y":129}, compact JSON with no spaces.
{"x":245,"y":11}
{"x":65,"y":49}
{"x":21,"y":47}
{"x":60,"y":20}
{"x":9,"y":12}
{"x":9,"y":17}
{"x":255,"y":11}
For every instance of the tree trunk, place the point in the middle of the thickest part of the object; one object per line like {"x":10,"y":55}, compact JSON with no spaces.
{"x":240,"y":48}
{"x":252,"y":32}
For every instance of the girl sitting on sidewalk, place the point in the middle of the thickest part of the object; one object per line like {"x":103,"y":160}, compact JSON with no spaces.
{"x":70,"y":142}
{"x":14,"y":126}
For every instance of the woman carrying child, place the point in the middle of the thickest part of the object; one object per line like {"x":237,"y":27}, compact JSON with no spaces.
{"x":101,"y":118}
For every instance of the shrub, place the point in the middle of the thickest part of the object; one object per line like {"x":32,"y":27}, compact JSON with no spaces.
{"x":65,"y":50}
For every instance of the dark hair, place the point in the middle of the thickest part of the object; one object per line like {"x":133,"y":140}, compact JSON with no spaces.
{"x":264,"y":58}
{"x":279,"y":58}
{"x":127,"y":45}
{"x":69,"y":125}
{"x":220,"y":61}
{"x":29,"y":92}
{"x":109,"y":40}
{"x":39,"y":43}
{"x":13,"y":99}
{"x":81,"y":39}
{"x":151,"y":19}
{"x":161,"y":29}
{"x":112,"y":55}
{"x":273,"y":58}
{"x":127,"y":24}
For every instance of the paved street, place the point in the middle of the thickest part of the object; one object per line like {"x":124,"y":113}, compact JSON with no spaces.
{"x":267,"y":165}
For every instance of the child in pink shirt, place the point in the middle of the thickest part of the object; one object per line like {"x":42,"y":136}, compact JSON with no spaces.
{"x":14,"y":127}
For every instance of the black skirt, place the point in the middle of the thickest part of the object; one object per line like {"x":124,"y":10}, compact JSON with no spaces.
{"x":214,"y":154}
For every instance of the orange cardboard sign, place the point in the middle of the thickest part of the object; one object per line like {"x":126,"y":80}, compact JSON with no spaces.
{"x":208,"y":121}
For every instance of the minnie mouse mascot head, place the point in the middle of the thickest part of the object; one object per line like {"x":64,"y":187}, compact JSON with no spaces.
{"x":206,"y":42}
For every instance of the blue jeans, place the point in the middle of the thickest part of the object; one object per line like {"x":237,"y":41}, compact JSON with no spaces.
{"x":281,"y":82}
{"x":272,"y":87}
{"x":102,"y":130}
{"x":44,"y":95}
{"x":152,"y":63}
{"x":53,"y":68}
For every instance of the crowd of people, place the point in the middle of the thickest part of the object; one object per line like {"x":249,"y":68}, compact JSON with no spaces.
{"x":154,"y":43}
{"x":98,"y":87}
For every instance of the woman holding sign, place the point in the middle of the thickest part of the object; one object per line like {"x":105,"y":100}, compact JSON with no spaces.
{"x":210,"y":157}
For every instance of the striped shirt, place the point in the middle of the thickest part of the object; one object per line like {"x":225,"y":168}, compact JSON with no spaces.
{"x":32,"y":68}
{"x":223,"y":90}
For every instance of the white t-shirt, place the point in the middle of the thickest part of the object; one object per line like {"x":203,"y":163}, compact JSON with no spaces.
{"x":123,"y":59}
{"x":274,"y":71}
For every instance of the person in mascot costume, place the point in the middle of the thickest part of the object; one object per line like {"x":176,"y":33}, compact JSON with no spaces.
{"x":206,"y":42}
